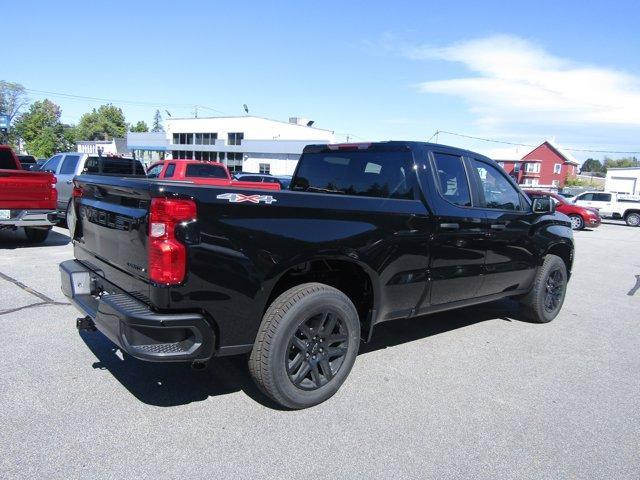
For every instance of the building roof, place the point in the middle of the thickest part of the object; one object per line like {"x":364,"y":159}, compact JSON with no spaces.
{"x":515,"y":160}
{"x":250,"y":116}
{"x":563,"y":153}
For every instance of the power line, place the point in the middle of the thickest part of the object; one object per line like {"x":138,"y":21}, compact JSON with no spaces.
{"x":528,"y":145}
{"x":124,"y":102}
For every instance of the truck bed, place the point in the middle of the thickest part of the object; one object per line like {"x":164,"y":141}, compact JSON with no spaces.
{"x":22,"y":189}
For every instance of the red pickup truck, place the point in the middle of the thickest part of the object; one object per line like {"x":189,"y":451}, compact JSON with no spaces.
{"x":202,"y":173}
{"x":27,"y":199}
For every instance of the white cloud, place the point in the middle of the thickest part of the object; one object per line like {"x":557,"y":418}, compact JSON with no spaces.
{"x":518,"y":82}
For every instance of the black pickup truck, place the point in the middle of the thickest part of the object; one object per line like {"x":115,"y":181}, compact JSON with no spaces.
{"x":171,"y":271}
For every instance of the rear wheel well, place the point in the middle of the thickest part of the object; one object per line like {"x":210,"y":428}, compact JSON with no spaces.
{"x":348,"y":277}
{"x":565,"y":252}
{"x":627,"y":212}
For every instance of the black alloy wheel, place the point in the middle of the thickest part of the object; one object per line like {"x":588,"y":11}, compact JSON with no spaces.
{"x":554,"y":291}
{"x":317,"y":350}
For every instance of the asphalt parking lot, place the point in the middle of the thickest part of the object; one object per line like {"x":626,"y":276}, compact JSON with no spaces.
{"x":471,"y":393}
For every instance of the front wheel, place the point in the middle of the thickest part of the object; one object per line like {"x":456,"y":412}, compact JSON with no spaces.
{"x":632,"y":219}
{"x":36,"y":235}
{"x":577,"y":223}
{"x":307,"y":343}
{"x":543,"y":303}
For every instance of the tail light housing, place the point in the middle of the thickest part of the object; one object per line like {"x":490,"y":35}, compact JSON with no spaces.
{"x":167,"y":255}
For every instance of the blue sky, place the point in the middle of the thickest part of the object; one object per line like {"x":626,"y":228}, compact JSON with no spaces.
{"x":514,"y":71}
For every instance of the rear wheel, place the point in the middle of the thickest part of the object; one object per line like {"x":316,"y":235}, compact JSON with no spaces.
{"x":543,"y":303}
{"x":632,"y":219}
{"x":306,"y":346}
{"x":577,"y":223}
{"x":36,"y":235}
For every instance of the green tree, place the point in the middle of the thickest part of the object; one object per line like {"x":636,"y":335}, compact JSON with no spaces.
{"x":141,"y":126}
{"x":105,"y":123}
{"x":42,"y":131}
{"x":12,"y":98}
{"x":592,"y":165}
{"x":157,"y":122}
{"x":620,"y":162}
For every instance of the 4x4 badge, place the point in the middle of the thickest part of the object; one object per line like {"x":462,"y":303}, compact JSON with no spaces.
{"x":239,"y":198}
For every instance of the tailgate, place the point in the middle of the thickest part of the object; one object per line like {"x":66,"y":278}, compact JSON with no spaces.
{"x":22,"y":189}
{"x":111,"y":231}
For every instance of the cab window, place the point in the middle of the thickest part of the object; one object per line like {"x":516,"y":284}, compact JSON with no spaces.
{"x":585,"y":196}
{"x":52,"y":164}
{"x":498,"y":192}
{"x":601,"y":197}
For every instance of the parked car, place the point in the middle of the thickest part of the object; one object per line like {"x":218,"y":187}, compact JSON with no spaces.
{"x":581,"y":217}
{"x":296,"y":278}
{"x":201,"y":173}
{"x":27,"y":161}
{"x":284,"y":180}
{"x":612,"y":205}
{"x":27,"y":199}
{"x":255,"y":177}
{"x":67,"y":165}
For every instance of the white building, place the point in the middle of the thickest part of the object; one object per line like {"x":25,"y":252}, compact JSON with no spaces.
{"x":248,"y":143}
{"x":117,"y":146}
{"x":623,"y":180}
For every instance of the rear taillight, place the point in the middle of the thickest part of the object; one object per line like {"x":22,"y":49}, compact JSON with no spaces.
{"x":168,"y":256}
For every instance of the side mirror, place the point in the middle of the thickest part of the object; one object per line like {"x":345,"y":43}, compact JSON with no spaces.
{"x":543,"y":205}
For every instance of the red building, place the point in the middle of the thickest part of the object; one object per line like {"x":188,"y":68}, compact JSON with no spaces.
{"x":546,"y":165}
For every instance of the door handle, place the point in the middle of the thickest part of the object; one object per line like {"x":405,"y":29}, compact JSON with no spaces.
{"x":498,"y":226}
{"x":450,"y":226}
{"x":69,"y":182}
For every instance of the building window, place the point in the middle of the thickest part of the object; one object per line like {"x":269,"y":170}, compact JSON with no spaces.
{"x":234,"y":161}
{"x":221,"y":157}
{"x":198,"y":139}
{"x":235,"y":138}
{"x":265,"y":168}
{"x":532,"y":167}
{"x":555,"y":183}
{"x":530,"y":181}
{"x":516,"y":167}
{"x":176,"y":138}
{"x":557,"y":168}
{"x":501,"y":164}
{"x":198,"y":155}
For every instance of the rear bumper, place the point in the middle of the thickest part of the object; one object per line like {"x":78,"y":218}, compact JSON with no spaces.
{"x":131,"y":324}
{"x":30,"y":218}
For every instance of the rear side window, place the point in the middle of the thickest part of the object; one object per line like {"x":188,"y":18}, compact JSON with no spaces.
{"x":206,"y":171}
{"x":113,"y":166}
{"x":586,"y":197}
{"x":52,"y":163}
{"x":171,"y":168}
{"x":452,"y":179}
{"x":362,"y":173}
{"x":69,"y":164}
{"x":6,"y":160}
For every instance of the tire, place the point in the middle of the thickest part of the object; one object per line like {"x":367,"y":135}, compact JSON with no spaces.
{"x":305,"y":348}
{"x":543,"y":303}
{"x":632,"y":219}
{"x":36,"y":235}
{"x":577,"y":223}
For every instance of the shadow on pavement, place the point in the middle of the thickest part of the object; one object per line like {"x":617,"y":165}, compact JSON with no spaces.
{"x":172,"y":384}
{"x":17,"y":239}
